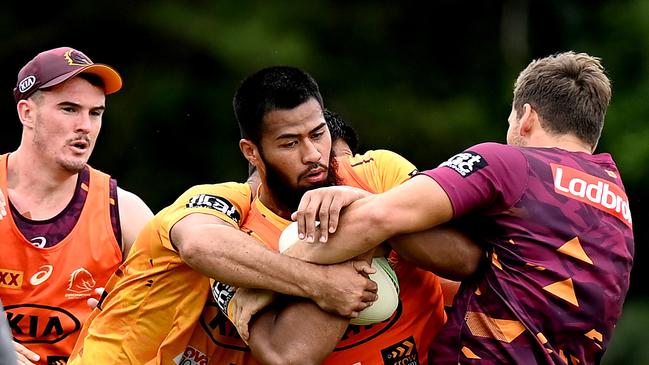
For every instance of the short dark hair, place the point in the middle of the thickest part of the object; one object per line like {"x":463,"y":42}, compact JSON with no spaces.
{"x":569,"y":91}
{"x":272,"y":88}
{"x":339,"y":129}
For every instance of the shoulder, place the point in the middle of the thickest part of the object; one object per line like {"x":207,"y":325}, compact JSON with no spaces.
{"x":236,"y":193}
{"x":491,"y":155}
{"x":131,"y":201}
{"x":229,"y":200}
{"x":376,"y":156}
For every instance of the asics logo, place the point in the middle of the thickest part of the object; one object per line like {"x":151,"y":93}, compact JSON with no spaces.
{"x":39,"y":242}
{"x":42,"y":275}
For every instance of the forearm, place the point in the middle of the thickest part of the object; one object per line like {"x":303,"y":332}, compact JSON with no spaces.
{"x":359,"y":230}
{"x":235,"y":258}
{"x":414,"y":206}
{"x":284,"y":336}
{"x":442,"y":250}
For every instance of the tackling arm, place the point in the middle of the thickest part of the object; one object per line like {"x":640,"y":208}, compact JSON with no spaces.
{"x":218,"y":250}
{"x":416,"y":205}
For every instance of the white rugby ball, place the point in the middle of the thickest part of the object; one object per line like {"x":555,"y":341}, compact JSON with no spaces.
{"x":385,"y":278}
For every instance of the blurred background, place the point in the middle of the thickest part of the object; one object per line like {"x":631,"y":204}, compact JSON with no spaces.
{"x":423,"y":79}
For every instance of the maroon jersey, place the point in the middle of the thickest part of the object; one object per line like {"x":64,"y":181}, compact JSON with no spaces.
{"x":559,"y":236}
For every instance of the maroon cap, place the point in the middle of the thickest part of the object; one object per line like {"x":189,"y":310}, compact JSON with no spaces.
{"x":52,"y":67}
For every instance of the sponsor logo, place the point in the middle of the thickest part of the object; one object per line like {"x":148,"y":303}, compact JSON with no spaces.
{"x":81,"y":284}
{"x":465,"y":163}
{"x":11,"y":279}
{"x":39,"y":242}
{"x":592,"y":190}
{"x":401,"y":353}
{"x":223,"y":293}
{"x":358,"y":335}
{"x":26,"y":83}
{"x":217,"y":203}
{"x":57,"y":360}
{"x":40,"y":276}
{"x":34,"y":323}
{"x":191,"y":356}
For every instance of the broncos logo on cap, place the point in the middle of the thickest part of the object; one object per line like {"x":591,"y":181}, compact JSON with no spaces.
{"x":76,"y":58}
{"x":81,"y":281}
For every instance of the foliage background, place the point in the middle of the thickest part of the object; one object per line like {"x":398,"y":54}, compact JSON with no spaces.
{"x":424,"y":79}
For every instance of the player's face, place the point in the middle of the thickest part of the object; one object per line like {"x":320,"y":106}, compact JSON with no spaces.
{"x":513,"y":136}
{"x":67,"y":122}
{"x":296,"y":150}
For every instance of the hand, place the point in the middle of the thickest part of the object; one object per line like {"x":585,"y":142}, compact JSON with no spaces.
{"x":92,"y":302}
{"x":246,"y":303}
{"x":24,"y":355}
{"x":345,"y":289}
{"x":323,"y":205}
{"x":3,"y":206}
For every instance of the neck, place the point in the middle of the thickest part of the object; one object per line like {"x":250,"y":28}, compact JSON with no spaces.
{"x":36,"y":185}
{"x":567,"y":142}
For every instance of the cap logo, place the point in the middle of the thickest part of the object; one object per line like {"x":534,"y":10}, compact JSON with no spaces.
{"x":76,"y":58}
{"x":26,"y":83}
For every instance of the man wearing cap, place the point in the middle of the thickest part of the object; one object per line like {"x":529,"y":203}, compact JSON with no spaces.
{"x":67,"y":224}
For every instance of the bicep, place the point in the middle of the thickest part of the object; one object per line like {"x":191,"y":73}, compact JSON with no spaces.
{"x":133,"y":215}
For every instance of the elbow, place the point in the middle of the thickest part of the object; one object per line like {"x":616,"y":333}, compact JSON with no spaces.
{"x":381,"y":223}
{"x":189,"y":252}
{"x":468,"y":263}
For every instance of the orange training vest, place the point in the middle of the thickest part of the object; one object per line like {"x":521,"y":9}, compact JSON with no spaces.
{"x":44,"y":290}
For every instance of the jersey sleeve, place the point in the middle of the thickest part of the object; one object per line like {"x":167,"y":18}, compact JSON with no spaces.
{"x":489,"y":178}
{"x":227,"y":201}
{"x":382,"y":169}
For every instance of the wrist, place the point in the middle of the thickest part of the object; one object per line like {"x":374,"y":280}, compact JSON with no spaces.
{"x":312,"y":283}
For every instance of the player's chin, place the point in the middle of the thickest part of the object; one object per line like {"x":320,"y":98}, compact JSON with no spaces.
{"x":74,"y":165}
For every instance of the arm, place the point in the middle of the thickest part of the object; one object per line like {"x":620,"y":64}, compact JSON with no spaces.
{"x":311,"y":340}
{"x":133,"y":215}
{"x":442,"y":250}
{"x":416,"y":205}
{"x":296,"y":331}
{"x":218,"y":250}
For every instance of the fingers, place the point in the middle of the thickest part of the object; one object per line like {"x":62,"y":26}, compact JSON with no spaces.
{"x":92,"y":303}
{"x":299,"y":216}
{"x":242,"y":325}
{"x":25,"y":355}
{"x":328,"y":215}
{"x":369,"y":297}
{"x":363,"y":267}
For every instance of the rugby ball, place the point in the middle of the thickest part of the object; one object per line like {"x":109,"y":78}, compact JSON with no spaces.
{"x":385,"y":279}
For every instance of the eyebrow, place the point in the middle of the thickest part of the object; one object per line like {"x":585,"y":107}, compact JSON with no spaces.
{"x":69,"y":103}
{"x":294,"y":135}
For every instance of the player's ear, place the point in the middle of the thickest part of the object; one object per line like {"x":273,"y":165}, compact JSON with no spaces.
{"x":26,"y":112}
{"x":250,"y":151}
{"x":528,"y":120}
